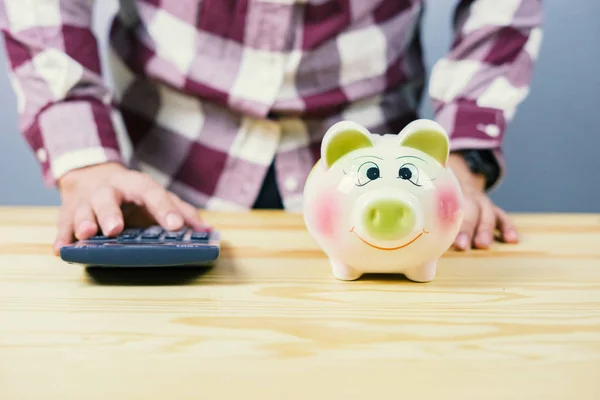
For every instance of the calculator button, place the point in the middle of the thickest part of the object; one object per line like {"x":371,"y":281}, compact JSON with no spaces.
{"x":129,"y":235}
{"x":100,"y":238}
{"x":199,"y":236}
{"x":132,"y":232}
{"x":153,"y":232}
{"x":174,"y":236}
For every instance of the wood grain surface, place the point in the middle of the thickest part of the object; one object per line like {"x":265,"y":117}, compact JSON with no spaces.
{"x":271,"y":322}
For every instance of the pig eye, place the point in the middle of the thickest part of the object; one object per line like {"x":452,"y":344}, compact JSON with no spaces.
{"x":367,"y":172}
{"x":410,"y":173}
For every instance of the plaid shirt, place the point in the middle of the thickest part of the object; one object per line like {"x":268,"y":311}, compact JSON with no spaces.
{"x":206,"y":95}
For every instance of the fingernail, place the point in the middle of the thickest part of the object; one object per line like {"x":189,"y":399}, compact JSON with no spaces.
{"x":113,"y":224}
{"x":462,"y":241}
{"x":483,"y":239}
{"x":174,"y":221}
{"x":511,"y":236}
{"x":85,"y":226}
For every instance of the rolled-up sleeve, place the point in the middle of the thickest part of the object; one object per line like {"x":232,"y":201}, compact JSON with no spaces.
{"x":478,"y":85}
{"x":64,"y":107}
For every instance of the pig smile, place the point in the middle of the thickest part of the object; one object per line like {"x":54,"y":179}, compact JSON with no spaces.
{"x":390,"y":248}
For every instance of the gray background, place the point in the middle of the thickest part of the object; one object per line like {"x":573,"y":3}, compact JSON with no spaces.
{"x":558,"y":118}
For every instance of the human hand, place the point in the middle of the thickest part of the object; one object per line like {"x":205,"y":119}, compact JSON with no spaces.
{"x":481,"y":216}
{"x":95,"y":199}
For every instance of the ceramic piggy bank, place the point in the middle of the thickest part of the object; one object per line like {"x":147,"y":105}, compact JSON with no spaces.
{"x":383,"y":203}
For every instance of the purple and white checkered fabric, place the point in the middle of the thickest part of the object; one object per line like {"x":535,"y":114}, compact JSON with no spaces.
{"x":206,"y":94}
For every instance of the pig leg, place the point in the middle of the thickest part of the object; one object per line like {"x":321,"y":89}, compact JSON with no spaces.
{"x":423,"y":273}
{"x":343,"y":272}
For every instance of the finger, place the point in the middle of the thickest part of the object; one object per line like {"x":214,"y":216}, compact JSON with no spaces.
{"x":508,"y":231}
{"x":160,"y":204}
{"x":484,"y":234}
{"x":471,"y":217}
{"x":106,"y":206}
{"x":84,"y":222}
{"x":189,"y":212}
{"x":64,"y":233}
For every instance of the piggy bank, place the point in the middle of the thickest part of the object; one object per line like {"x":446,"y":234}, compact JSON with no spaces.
{"x":383,"y":203}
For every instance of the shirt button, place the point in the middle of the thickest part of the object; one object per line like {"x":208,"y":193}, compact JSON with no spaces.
{"x":492,"y":130}
{"x":42,"y":155}
{"x":291,"y":184}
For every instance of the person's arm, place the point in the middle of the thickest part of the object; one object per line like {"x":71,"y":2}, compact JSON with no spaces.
{"x":65,"y":116}
{"x":63,"y":104}
{"x":476,"y":89}
{"x":479,"y":84}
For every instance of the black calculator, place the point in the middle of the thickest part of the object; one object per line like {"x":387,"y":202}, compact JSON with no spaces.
{"x":146,"y":247}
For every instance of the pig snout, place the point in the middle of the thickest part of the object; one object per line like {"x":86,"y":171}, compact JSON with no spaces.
{"x":388,"y":216}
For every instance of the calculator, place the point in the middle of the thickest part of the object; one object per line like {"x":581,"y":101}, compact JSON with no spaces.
{"x":146,"y":247}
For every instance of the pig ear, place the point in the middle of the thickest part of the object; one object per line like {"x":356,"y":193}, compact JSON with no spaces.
{"x":427,"y":136}
{"x":342,"y":138}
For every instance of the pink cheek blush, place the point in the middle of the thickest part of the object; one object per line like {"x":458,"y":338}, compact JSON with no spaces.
{"x":448,"y":205}
{"x":325,"y":214}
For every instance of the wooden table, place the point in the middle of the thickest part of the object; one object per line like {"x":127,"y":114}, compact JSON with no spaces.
{"x":270,"y":322}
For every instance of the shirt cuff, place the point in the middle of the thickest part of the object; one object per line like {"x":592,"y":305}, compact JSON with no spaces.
{"x":471,"y":127}
{"x":71,"y":135}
